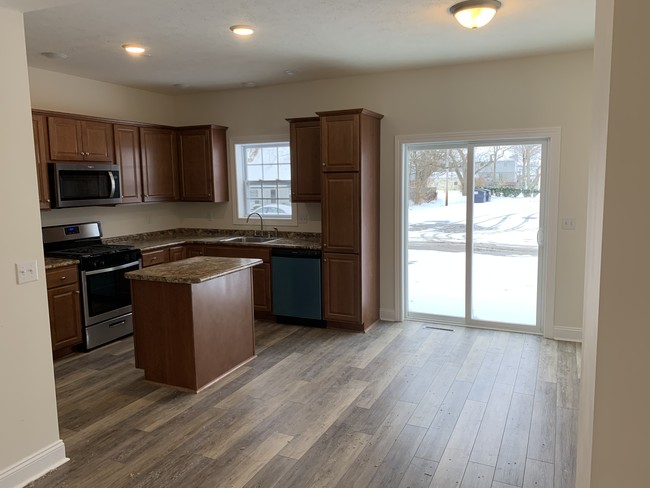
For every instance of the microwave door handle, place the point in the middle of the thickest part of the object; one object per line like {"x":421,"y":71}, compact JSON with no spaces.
{"x":112,"y":178}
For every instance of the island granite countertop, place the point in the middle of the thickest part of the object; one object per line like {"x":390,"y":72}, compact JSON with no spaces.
{"x":192,"y":270}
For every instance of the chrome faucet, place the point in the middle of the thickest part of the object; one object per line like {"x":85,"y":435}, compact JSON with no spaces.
{"x":261,"y":220}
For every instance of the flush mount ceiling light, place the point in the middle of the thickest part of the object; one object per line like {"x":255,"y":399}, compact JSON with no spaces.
{"x":133,"y":49}
{"x":475,"y":13}
{"x":242,"y":30}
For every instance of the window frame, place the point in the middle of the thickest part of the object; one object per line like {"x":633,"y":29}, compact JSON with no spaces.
{"x":237,"y":184}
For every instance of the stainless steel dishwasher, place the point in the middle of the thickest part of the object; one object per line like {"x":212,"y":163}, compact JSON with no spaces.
{"x":297,"y":286}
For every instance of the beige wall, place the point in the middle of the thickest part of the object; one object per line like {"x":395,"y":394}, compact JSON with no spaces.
{"x":28,"y":421}
{"x":614,"y":408}
{"x":544,"y":91}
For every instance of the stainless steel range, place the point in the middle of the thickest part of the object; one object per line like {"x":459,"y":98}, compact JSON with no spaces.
{"x":105,"y":292}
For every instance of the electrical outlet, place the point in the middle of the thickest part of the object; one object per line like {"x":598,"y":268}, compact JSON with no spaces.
{"x":26,"y":272}
{"x":303,"y":218}
{"x":568,"y":223}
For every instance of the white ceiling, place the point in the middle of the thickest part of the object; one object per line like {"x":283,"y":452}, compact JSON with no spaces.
{"x":190,"y":42}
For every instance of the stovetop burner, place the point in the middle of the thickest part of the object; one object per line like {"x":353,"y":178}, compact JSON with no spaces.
{"x":83,"y":242}
{"x":90,"y":250}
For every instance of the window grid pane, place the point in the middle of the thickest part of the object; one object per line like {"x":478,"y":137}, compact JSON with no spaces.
{"x":267,"y":179}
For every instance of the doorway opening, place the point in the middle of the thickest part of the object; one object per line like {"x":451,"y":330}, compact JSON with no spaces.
{"x":476,"y":246}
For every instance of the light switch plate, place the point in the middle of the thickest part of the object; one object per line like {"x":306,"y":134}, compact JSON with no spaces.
{"x":568,"y":223}
{"x":26,"y":272}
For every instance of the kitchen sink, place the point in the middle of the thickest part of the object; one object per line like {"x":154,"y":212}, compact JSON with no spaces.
{"x":249,"y":239}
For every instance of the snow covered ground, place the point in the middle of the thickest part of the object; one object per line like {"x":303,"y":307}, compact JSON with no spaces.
{"x":504,"y":258}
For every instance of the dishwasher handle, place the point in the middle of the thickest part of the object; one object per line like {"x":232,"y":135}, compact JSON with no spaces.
{"x":296,"y":253}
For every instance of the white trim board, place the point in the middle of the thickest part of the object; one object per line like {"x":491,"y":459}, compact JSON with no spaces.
{"x":34,"y":466}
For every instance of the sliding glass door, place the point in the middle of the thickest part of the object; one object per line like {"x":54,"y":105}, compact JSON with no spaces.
{"x":473,"y":223}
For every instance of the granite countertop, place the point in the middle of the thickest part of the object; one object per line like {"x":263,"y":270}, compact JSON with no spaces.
{"x":176,"y":237}
{"x":192,"y":270}
{"x":53,"y":263}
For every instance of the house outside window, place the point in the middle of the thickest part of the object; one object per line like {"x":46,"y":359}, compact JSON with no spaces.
{"x":263,"y":179}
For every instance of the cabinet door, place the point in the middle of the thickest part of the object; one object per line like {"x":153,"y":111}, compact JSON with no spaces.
{"x":340,"y":212}
{"x":97,"y":141}
{"x":195,"y":165}
{"x":340,"y":142}
{"x":262,"y":288}
{"x":177,"y":253}
{"x":65,"y":316}
{"x":341,"y":288}
{"x":159,"y":164}
{"x":39,"y":125}
{"x":65,"y":139}
{"x":127,"y":155}
{"x":193,"y":250}
{"x":305,"y":160}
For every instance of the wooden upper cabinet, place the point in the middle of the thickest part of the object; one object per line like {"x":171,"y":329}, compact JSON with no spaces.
{"x":39,"y":125}
{"x":203,"y":166}
{"x":340,"y":142}
{"x":341,"y":216}
{"x":305,"y":159}
{"x":127,"y":155}
{"x":80,"y":140}
{"x":159,"y":164}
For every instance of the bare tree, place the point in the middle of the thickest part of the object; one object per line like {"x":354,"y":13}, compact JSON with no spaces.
{"x":529,"y":158}
{"x":423,"y":164}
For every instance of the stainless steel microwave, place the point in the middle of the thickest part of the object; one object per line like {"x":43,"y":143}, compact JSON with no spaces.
{"x":84,"y":184}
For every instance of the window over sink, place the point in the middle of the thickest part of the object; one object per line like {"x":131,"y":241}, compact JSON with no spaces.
{"x":262,"y":179}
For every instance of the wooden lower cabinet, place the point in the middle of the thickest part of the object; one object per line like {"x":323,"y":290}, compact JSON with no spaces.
{"x":261,"y":273}
{"x":151,"y":258}
{"x":193,"y":250}
{"x":64,"y":307}
{"x":176,"y":253}
{"x":341,"y":288}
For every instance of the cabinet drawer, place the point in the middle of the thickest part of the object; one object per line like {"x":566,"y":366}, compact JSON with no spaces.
{"x":62,"y":276}
{"x":155,"y":257}
{"x":263,"y":253}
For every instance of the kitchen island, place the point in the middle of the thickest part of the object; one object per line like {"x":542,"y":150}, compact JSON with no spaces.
{"x":193,"y":320}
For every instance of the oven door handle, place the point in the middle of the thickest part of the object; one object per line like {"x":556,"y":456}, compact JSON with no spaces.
{"x":114,"y":268}
{"x":112,"y":178}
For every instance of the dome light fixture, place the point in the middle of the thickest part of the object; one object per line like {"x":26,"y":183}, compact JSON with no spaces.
{"x":475,"y":13}
{"x":133,"y":49}
{"x":242,"y":30}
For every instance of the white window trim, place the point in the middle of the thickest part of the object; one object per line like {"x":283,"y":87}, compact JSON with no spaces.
{"x":549,"y":212}
{"x":236,"y":196}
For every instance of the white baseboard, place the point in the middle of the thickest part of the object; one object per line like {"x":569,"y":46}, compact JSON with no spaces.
{"x":571,"y":334}
{"x":387,"y":314}
{"x":34,"y":466}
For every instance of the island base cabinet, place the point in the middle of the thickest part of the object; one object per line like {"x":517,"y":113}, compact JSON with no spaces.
{"x":341,"y":291}
{"x":190,"y":335}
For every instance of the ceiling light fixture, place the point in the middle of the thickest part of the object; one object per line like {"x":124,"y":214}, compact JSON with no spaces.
{"x":133,"y":49}
{"x":242,"y":30}
{"x":475,"y":13}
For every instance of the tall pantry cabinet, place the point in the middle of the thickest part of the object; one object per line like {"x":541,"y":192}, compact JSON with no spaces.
{"x":350,"y":217}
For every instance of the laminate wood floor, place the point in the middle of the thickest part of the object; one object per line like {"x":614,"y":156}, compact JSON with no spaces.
{"x":401,"y":406}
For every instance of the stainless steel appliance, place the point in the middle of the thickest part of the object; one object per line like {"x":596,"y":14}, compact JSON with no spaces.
{"x":105,"y":292}
{"x":83,"y":184}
